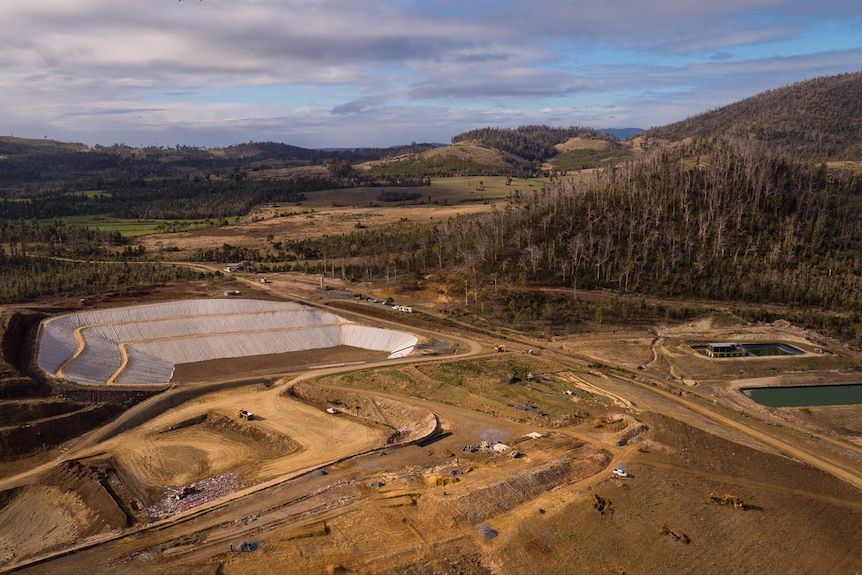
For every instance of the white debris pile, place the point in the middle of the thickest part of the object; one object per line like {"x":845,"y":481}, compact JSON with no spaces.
{"x":487,"y":447}
{"x":179,"y":500}
{"x":141,"y":344}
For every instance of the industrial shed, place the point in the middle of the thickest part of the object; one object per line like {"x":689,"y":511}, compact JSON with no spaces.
{"x":725,"y":350}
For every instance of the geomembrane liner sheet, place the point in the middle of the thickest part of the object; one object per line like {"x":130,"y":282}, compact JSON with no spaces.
{"x":141,"y":344}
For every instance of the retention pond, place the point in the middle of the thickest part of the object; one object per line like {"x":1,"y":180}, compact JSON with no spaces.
{"x":807,"y":395}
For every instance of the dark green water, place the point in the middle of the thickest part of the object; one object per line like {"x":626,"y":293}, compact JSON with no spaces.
{"x":806,"y":396}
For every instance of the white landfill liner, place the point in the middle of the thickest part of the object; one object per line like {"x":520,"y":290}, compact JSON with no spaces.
{"x":142,"y":344}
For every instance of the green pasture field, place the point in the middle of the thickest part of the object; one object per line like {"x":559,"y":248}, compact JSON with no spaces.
{"x":582,"y":159}
{"x":451,"y":191}
{"x":465,"y":188}
{"x":132,"y":228}
{"x":93,"y":193}
{"x":90,"y":194}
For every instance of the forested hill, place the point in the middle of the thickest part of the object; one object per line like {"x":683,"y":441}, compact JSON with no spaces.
{"x":815,"y":120}
{"x":529,"y":143}
{"x":34,"y":164}
{"x":720,"y":219}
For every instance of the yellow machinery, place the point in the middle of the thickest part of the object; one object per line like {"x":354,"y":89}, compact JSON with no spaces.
{"x":728,"y":499}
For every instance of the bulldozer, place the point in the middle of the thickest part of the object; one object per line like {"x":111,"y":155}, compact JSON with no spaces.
{"x":500,"y":348}
{"x":244,"y":414}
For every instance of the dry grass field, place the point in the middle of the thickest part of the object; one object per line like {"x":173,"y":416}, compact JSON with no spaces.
{"x":341,"y":211}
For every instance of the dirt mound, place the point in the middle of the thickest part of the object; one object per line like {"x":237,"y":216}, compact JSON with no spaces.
{"x":408,"y":422}
{"x":271,"y":444}
{"x":89,"y":484}
{"x":38,"y":519}
{"x":485,"y":502}
{"x":619,"y":428}
{"x":70,"y":502}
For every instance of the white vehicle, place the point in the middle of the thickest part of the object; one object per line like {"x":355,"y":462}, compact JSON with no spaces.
{"x":331,"y":410}
{"x":620,"y":472}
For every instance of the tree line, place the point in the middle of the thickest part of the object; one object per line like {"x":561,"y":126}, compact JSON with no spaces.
{"x":25,"y":278}
{"x":530,"y":143}
{"x":174,"y":198}
{"x":41,"y":259}
{"x":720,"y":219}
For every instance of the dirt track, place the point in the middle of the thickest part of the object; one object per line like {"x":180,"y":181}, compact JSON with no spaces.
{"x":330,"y":493}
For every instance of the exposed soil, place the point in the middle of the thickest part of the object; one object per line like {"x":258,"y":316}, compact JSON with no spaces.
{"x":269,"y":363}
{"x":433,"y":464}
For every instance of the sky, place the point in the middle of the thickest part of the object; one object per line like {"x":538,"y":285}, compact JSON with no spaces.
{"x":354,"y":73}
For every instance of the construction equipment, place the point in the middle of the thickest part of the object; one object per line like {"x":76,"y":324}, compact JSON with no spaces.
{"x":727,"y":499}
{"x":500,"y":348}
{"x":601,"y":504}
{"x":185,"y":492}
{"x":244,"y":414}
{"x":676,"y":535}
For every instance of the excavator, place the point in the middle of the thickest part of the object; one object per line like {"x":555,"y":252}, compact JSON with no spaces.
{"x":601,"y":504}
{"x":728,"y":499}
{"x":734,"y":500}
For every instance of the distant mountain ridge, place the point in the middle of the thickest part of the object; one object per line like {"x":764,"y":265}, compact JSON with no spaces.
{"x":816,"y":120}
{"x":621,"y":133}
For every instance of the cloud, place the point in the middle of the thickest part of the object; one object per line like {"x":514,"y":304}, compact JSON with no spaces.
{"x":499,"y":83}
{"x":356,"y":106}
{"x":305,"y":70}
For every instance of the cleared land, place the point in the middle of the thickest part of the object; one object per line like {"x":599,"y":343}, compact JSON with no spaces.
{"x":341,"y":211}
{"x":415,"y":471}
